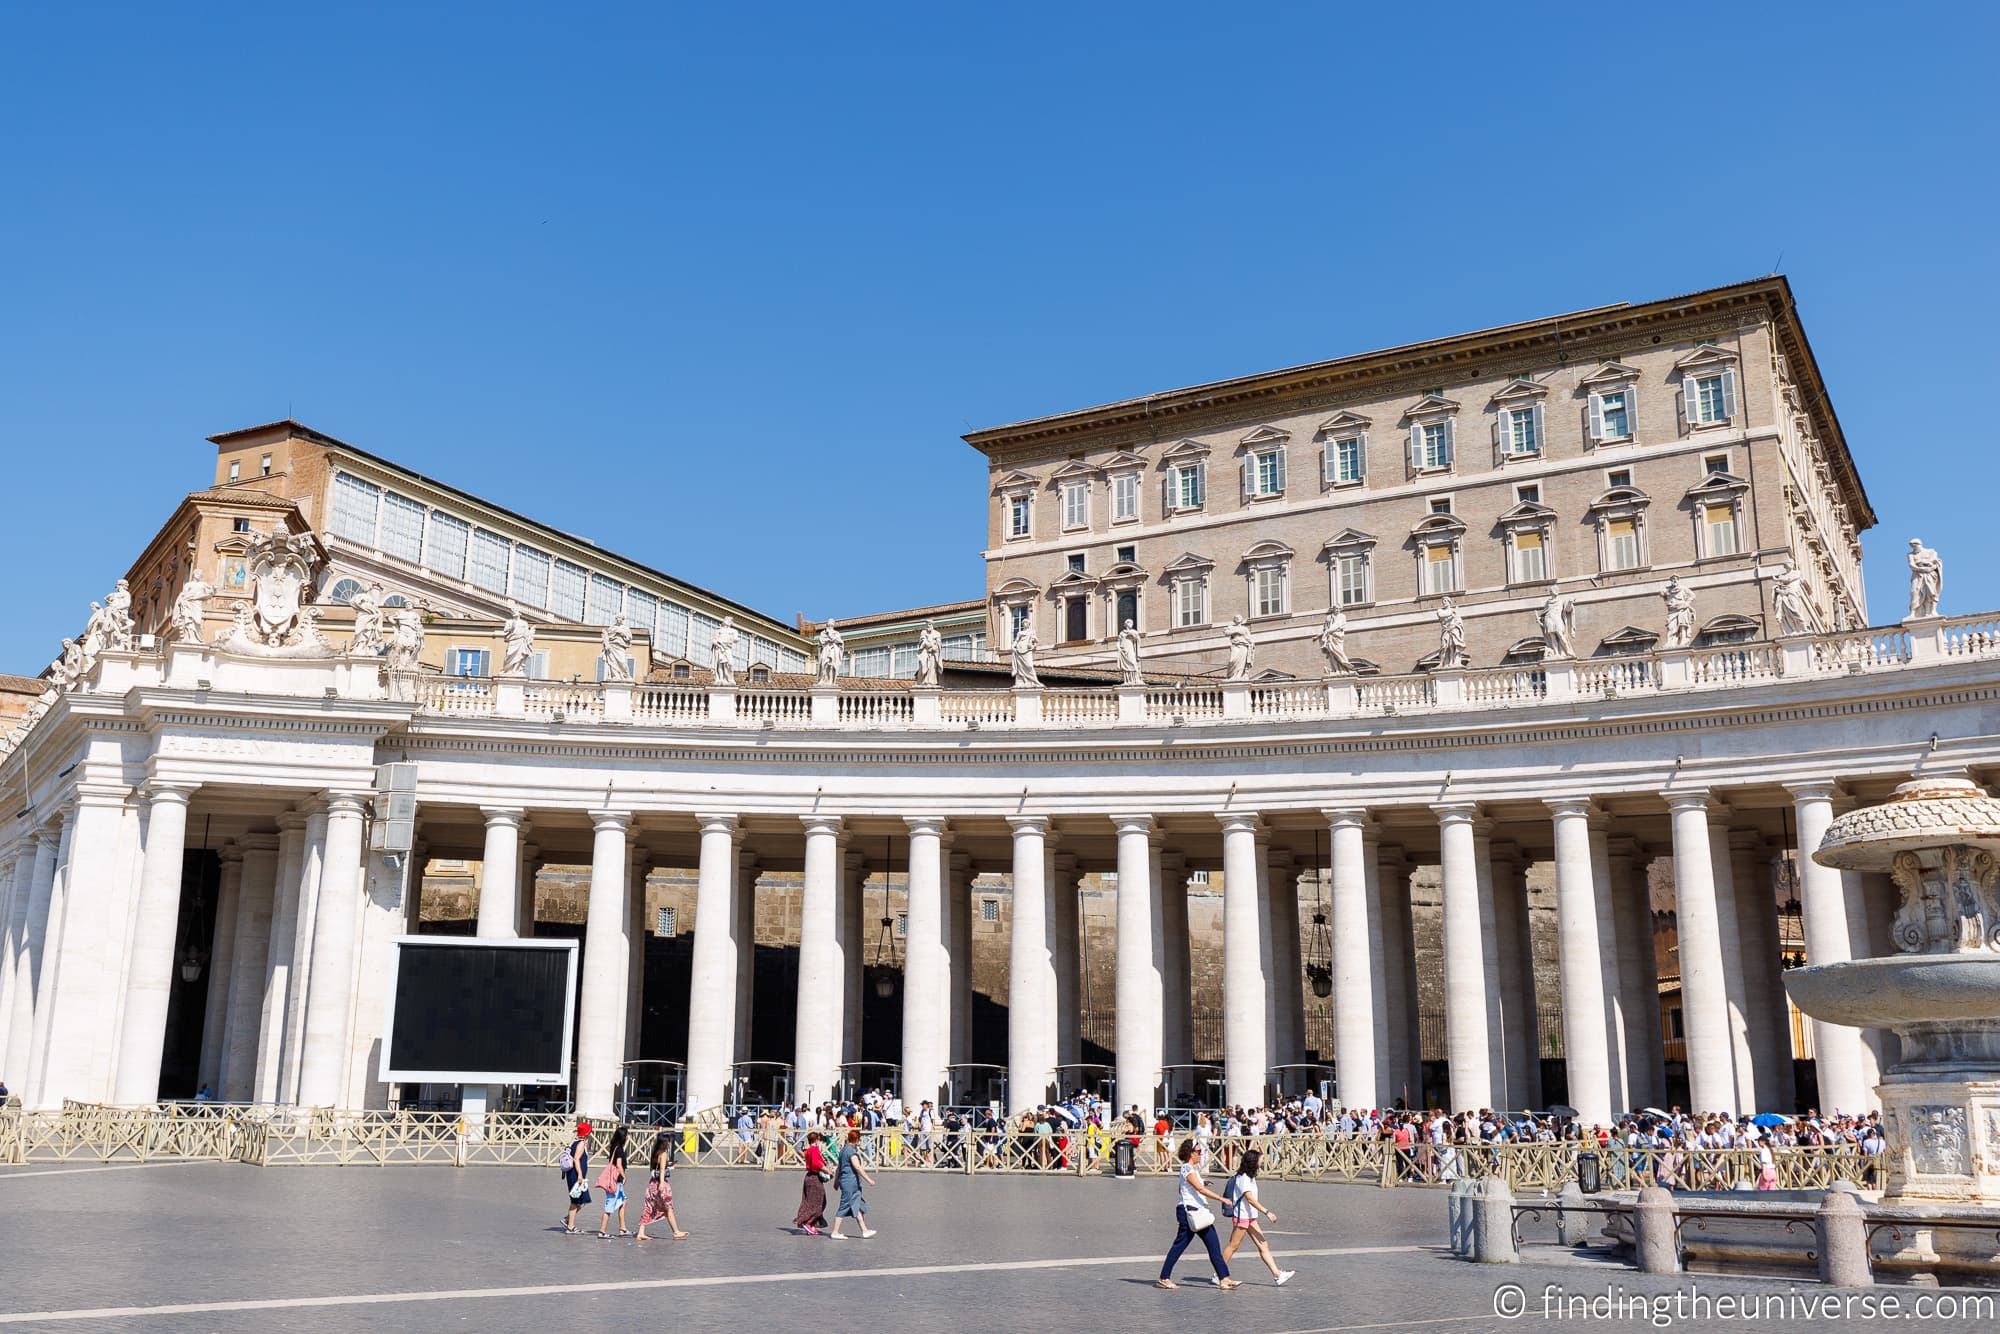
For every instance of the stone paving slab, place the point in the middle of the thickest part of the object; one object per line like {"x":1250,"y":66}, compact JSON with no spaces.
{"x":986,"y":1254}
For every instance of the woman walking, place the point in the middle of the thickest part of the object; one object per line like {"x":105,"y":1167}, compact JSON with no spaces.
{"x":1195,"y":1220}
{"x":1243,"y":1210}
{"x":812,"y":1199}
{"x":659,"y":1205}
{"x":575,"y":1164}
{"x":851,"y":1176}
{"x":612,"y":1182}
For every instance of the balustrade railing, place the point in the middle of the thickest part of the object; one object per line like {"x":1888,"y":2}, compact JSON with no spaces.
{"x":1301,"y":700}
{"x":1734,"y":664}
{"x":976,"y":706}
{"x":1505,"y":685}
{"x":669,"y":704}
{"x":786,"y":708}
{"x":561,"y":701}
{"x":1184,"y":703}
{"x":1861,"y":650}
{"x":1616,"y":676}
{"x":1377,"y":693}
{"x":878,"y":708}
{"x":1971,"y":636}
{"x":1079,"y":706}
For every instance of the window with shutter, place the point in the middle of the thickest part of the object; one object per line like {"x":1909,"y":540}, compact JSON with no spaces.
{"x":1720,"y":524}
{"x":1076,"y":505}
{"x":1622,"y":543}
{"x":1351,"y":575}
{"x":1438,"y":577}
{"x":1530,"y":560}
{"x":1125,"y":496}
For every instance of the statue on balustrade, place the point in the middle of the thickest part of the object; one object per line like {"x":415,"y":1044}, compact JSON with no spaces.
{"x":190,"y":606}
{"x":367,"y":604}
{"x":930,"y":656}
{"x":69,"y":668}
{"x":1926,"y":579}
{"x":1451,"y":635}
{"x":722,"y":651}
{"x":517,"y":643}
{"x":118,"y":617}
{"x":1790,"y":601}
{"x":1680,"y":613}
{"x":96,"y":633}
{"x":1558,"y":622}
{"x":832,"y":651}
{"x":1025,"y":675}
{"x":1128,"y":656}
{"x":1241,"y":648}
{"x":406,"y":639}
{"x":1333,"y":644}
{"x":614,"y":658}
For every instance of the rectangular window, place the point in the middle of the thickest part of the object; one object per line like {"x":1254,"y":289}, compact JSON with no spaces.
{"x":530,"y":583}
{"x":607,"y":599}
{"x":756,"y":648}
{"x":1017,"y":621}
{"x":1720,"y":521}
{"x":1618,"y":477}
{"x":870,"y":661}
{"x":1076,"y":619}
{"x":1622,"y":542}
{"x":1124,"y":497}
{"x":1712,"y":399}
{"x":673,"y":630}
{"x":1438,"y":574}
{"x":1267,"y":473}
{"x":642,"y":609}
{"x":1435,"y":450}
{"x":1349,"y":462}
{"x":903,"y":662}
{"x":1530,"y":494}
{"x":354,"y":506}
{"x":1076,"y":561}
{"x":1715,"y":463}
{"x":566,"y":590}
{"x":445,"y":543}
{"x":1351,"y":579}
{"x":1611,"y":415}
{"x":701,"y":638}
{"x":468,"y":662}
{"x":489,"y":561}
{"x":1076,"y":505}
{"x":631,"y":669}
{"x":1530,"y":560}
{"x":1191,"y":602}
{"x":1187,"y":486}
{"x":1128,"y":555}
{"x":664,"y":921}
{"x":402,"y":527}
{"x":989,"y":910}
{"x":1521,"y":432}
{"x":1018,"y":512}
{"x":1268,"y":584}
{"x":538,"y":664}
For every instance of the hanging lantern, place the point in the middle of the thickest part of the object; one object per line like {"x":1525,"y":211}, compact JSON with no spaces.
{"x":1318,"y":950}
{"x":888,"y":965}
{"x":191,"y":963}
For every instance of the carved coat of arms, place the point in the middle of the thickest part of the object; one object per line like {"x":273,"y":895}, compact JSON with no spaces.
{"x":276,"y":619}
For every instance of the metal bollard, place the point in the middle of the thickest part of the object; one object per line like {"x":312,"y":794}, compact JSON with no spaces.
{"x":1842,"y":1230}
{"x":1653,"y":1239}
{"x":1572,"y":1223}
{"x":1493,"y":1226}
{"x":1458,"y":1213}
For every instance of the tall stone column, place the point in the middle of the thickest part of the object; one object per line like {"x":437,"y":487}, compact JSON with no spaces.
{"x":1031,"y":979}
{"x":1607,"y":954}
{"x":746,"y":950}
{"x":1516,"y":989}
{"x":10,"y":934}
{"x":244,"y":1004}
{"x":1355,"y":1065}
{"x":853,"y":937}
{"x":1177,"y":961}
{"x":323,"y":1068}
{"x":1399,"y":976}
{"x":711,"y":1046}
{"x":1466,"y":1012}
{"x":221,"y":967}
{"x":1288,"y":969}
{"x":1489,"y":949}
{"x":1704,"y":994}
{"x":1638,"y":982}
{"x":1246,"y":984}
{"x":385,"y":896}
{"x":1586,"y":1046}
{"x":55,"y":918}
{"x":31,"y":962}
{"x":524,"y":888}
{"x":1066,"y":918}
{"x":1141,"y":986}
{"x":1380,"y":934}
{"x":602,"y":1013}
{"x":77,"y":999}
{"x":280,"y":976}
{"x":634,"y":985}
{"x":312,"y":862}
{"x":1757,"y":929}
{"x":1729,"y":924}
{"x":816,"y":1048}
{"x":156,"y":919}
{"x":959,"y":874}
{"x":926,"y":999}
{"x":500,"y":874}
{"x":1824,"y":918}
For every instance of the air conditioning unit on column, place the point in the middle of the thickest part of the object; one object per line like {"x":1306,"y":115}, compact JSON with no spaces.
{"x":395,"y":826}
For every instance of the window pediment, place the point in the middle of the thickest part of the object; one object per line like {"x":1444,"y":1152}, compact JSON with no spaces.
{"x":1729,"y":623}
{"x":1349,"y":540}
{"x":1265,"y":553}
{"x":1430,"y":406}
{"x":1122,"y":461}
{"x":1527,"y":514}
{"x":1186,"y":451}
{"x":1718,"y":486}
{"x":1631,"y":639}
{"x":1438,"y":526}
{"x":1123,"y":575}
{"x":1517,"y":393}
{"x":1264,"y":435}
{"x":1070,"y":580}
{"x":1708,"y":354}
{"x":1015,"y":483}
{"x":1189,"y":563}
{"x":1621,"y":498}
{"x":1343,"y":423}
{"x":1016,"y":588}
{"x":1532,"y":649}
{"x":1076,"y":470}
{"x":1610,"y":375}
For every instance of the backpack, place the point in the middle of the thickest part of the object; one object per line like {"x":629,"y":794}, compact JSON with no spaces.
{"x":566,"y":1164}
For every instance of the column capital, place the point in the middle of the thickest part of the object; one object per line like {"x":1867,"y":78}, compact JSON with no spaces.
{"x":934,"y":825}
{"x":1690,"y":799}
{"x":1745,"y":840}
{"x":823,"y":825}
{"x":715,"y":823}
{"x":1506,"y":851}
{"x":49,"y":835}
{"x":105,"y":795}
{"x":1135,"y":825}
{"x":290,"y":821}
{"x":1346,"y":817}
{"x":1240,"y":822}
{"x":159,"y":792}
{"x":1571,"y":808}
{"x":348,"y":803}
{"x":1816,"y":790}
{"x":1623,"y":845}
{"x":1172,"y":860}
{"x":1028,"y":824}
{"x":502,"y":816}
{"x":1456,"y":812}
{"x":229,"y":854}
{"x":961,"y":864}
{"x":604,"y":821}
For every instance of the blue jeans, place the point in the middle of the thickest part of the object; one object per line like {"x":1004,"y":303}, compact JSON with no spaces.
{"x":1185,"y":1237}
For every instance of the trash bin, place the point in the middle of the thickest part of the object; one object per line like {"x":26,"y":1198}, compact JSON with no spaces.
{"x":1123,"y":1156}
{"x":1589,"y":1173}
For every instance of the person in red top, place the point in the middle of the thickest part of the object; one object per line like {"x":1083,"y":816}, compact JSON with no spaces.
{"x":1161,"y":1150}
{"x":812,"y":1199}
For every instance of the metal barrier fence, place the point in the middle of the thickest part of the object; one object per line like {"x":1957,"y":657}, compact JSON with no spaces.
{"x":278,"y":1136}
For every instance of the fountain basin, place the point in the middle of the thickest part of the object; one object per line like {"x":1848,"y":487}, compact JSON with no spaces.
{"x":1900,"y":990}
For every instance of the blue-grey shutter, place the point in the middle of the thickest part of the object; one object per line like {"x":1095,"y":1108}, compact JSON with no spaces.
{"x":1416,"y":449}
{"x":1729,"y":392}
{"x":1596,"y":417}
{"x":1282,"y":451}
{"x":1541,"y":442}
{"x":1450,"y":450}
{"x":1361,"y":455}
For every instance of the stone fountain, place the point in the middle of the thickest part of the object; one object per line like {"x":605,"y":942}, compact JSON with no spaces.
{"x":1939,"y":841}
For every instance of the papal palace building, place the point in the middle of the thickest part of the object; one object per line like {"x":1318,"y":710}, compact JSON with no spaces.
{"x":1292,"y":700}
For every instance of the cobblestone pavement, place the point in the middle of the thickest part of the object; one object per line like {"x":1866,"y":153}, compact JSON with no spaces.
{"x":478,"y":1248}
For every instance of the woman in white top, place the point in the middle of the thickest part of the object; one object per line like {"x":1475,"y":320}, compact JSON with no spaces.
{"x":1188,"y":1210}
{"x":1243,"y":1210}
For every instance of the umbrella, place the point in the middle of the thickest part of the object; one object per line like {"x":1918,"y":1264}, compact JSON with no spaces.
{"x":1560,"y":1110}
{"x":1654,"y":1111}
{"x":1770,"y":1119}
{"x":1066,"y":1114}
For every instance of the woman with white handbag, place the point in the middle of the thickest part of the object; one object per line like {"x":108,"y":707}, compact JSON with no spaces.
{"x":1195,"y":1219}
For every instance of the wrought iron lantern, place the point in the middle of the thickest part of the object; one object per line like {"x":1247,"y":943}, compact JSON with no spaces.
{"x":1319,"y":942}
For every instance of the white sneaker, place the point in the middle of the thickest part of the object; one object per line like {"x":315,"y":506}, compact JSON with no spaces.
{"x":1285,"y":1276}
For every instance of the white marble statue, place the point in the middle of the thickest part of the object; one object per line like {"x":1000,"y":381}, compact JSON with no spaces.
{"x":118,"y":617}
{"x":930,"y":655}
{"x":190,"y":606}
{"x":1128,"y":655}
{"x":722,"y":651}
{"x":367,"y":606}
{"x":69,"y":668}
{"x":1024,"y":659}
{"x":1789,"y":600}
{"x":517,"y":643}
{"x":1680,"y":613}
{"x":1333,"y":644}
{"x":1451,"y":635}
{"x":96,"y":632}
{"x":1558,"y":622}
{"x":406,"y":639}
{"x":614,"y":661}
{"x":1241,"y":649}
{"x":832,"y":651}
{"x":1926,"y":579}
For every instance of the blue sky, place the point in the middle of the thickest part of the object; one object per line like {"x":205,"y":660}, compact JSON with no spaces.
{"x":720,"y":287}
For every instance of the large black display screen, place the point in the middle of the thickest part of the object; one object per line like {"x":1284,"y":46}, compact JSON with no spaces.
{"x":473,"y":1011}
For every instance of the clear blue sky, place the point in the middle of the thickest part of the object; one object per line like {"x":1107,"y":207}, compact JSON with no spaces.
{"x":720,"y":290}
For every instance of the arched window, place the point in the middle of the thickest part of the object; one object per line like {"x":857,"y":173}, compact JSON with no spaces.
{"x":395,"y":600}
{"x":341,"y":592}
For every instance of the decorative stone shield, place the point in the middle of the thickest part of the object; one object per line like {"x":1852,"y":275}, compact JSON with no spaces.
{"x":276,"y":620}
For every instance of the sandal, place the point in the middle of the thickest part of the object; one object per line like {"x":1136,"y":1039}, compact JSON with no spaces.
{"x":568,"y":1230}
{"x":604,"y":1236}
{"x":623,"y":1233}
